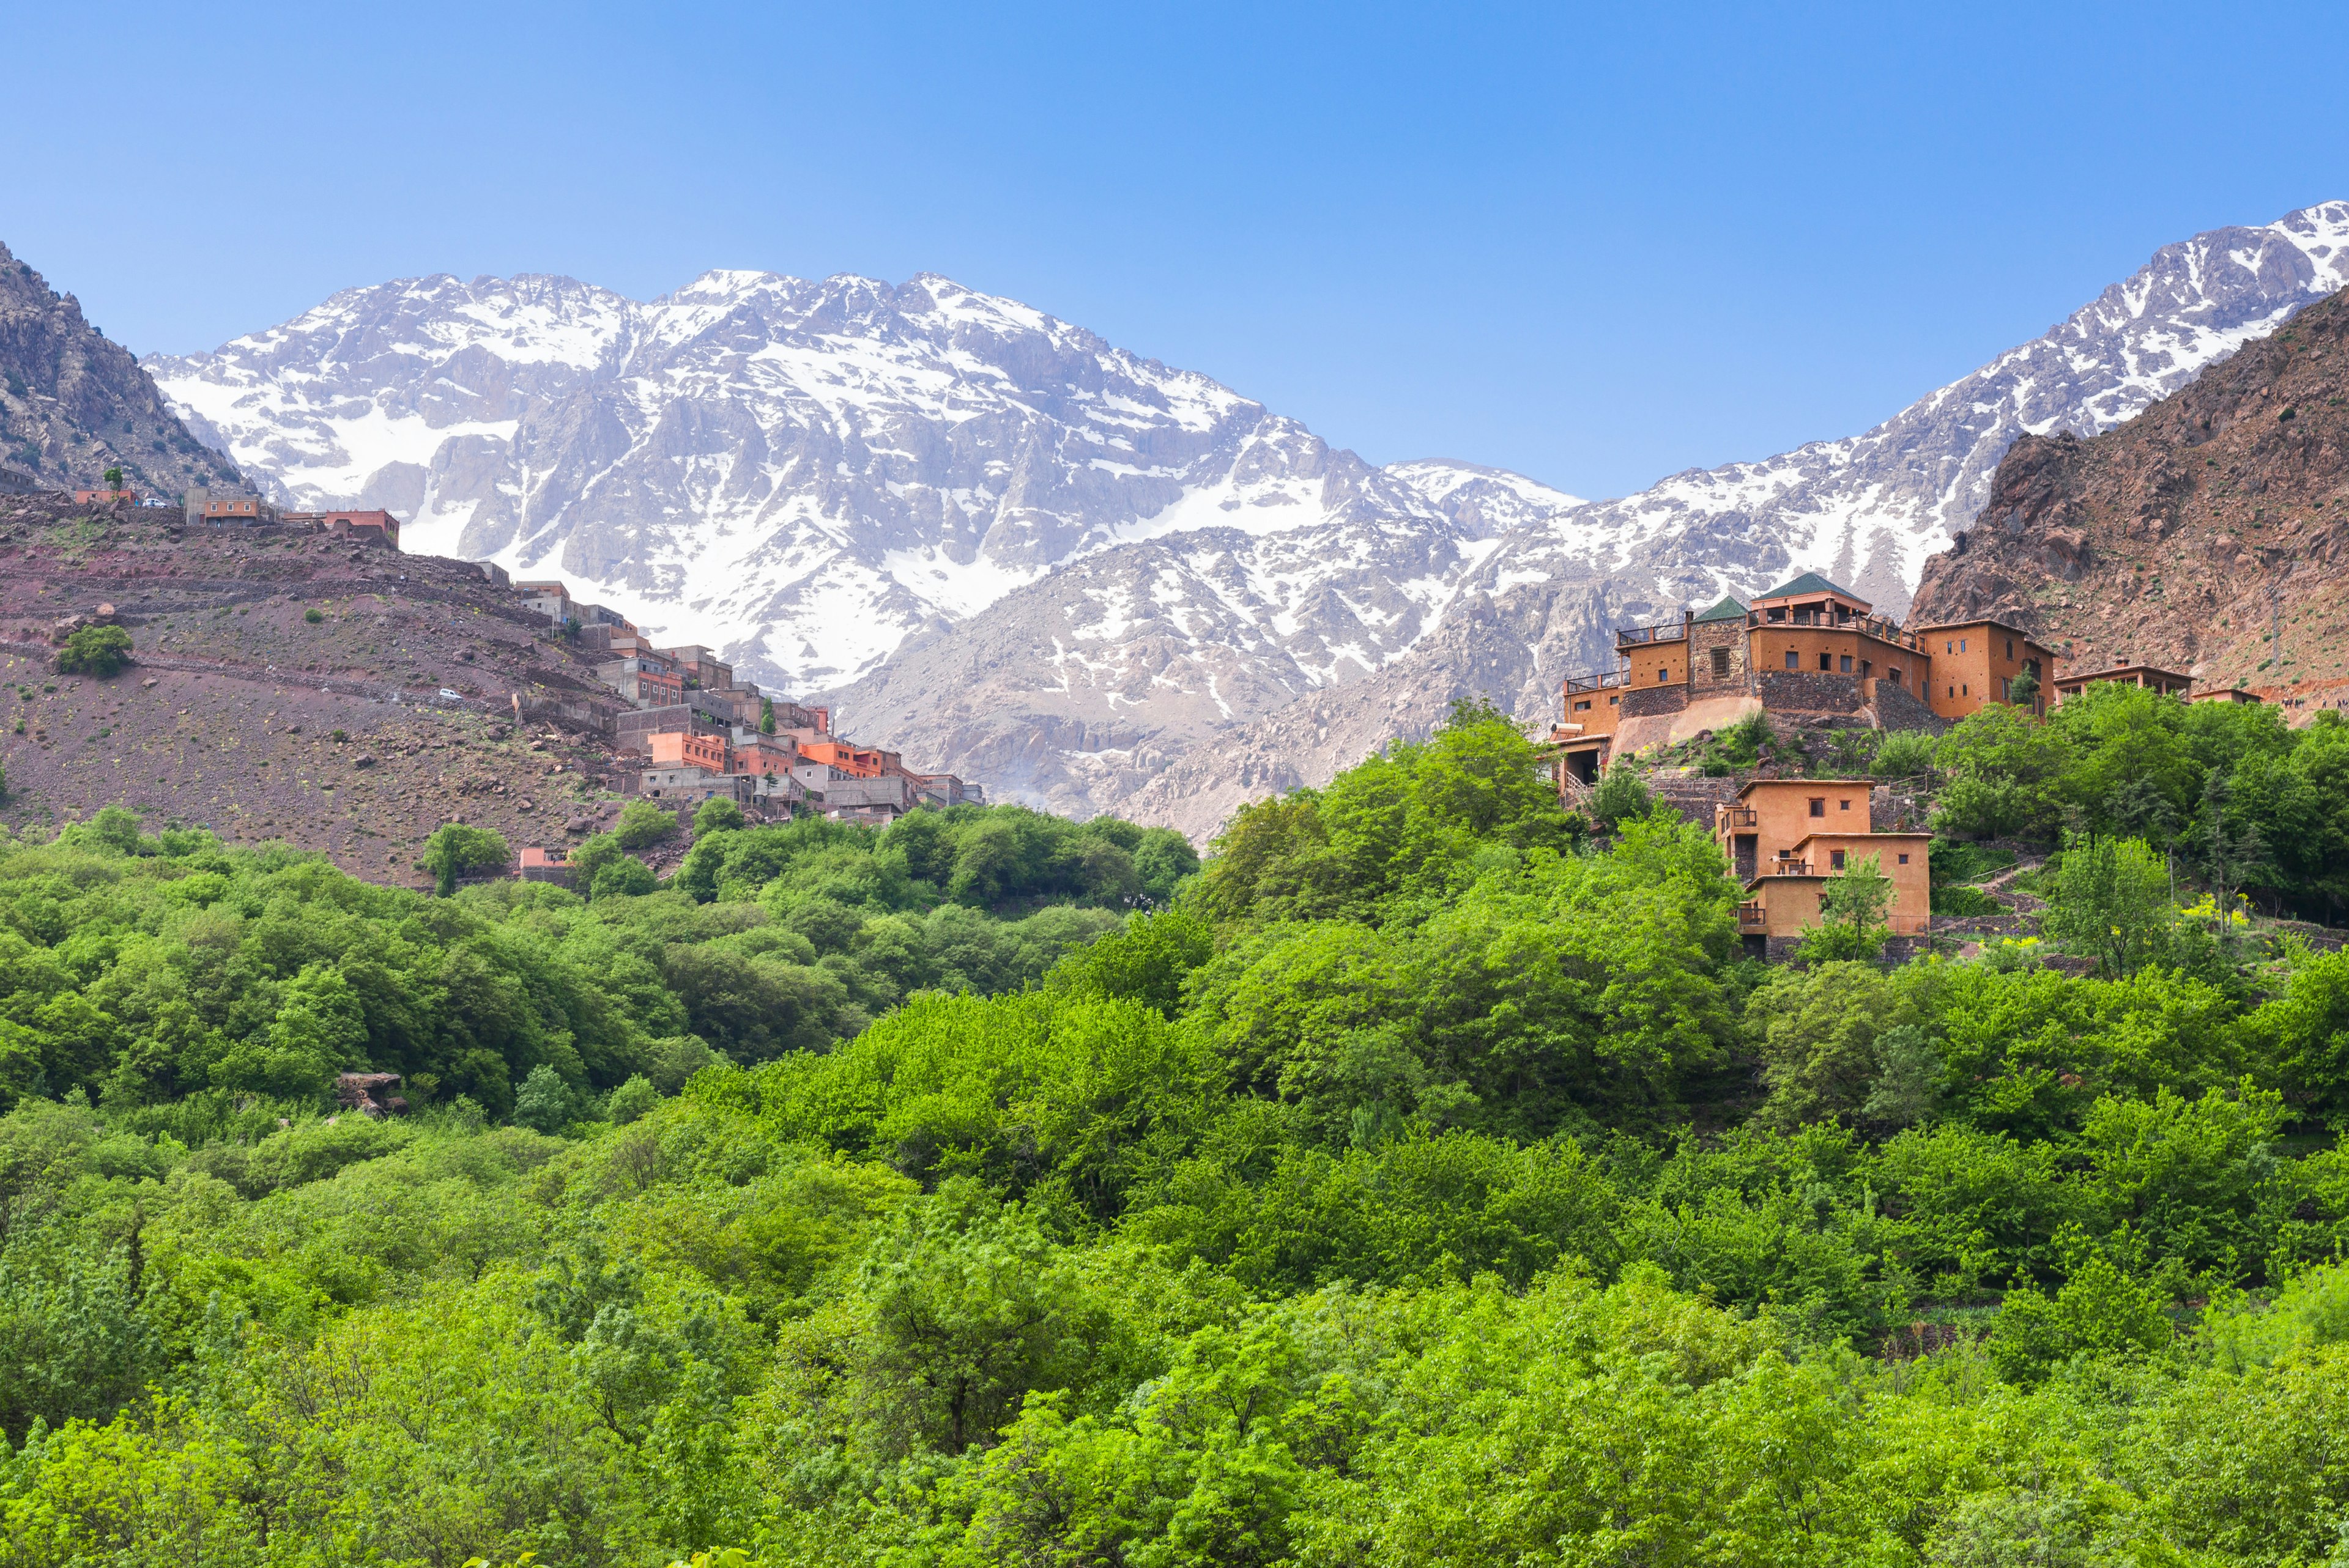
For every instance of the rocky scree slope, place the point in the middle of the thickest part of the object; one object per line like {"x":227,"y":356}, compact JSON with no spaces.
{"x":73,"y":404}
{"x":2209,"y":534}
{"x":241,"y":714}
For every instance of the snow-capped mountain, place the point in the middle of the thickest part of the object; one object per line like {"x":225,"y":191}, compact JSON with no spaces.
{"x":1093,"y":582}
{"x":806,"y":474}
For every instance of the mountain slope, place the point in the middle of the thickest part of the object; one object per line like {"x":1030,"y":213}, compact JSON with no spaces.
{"x":806,"y":474}
{"x":1869,"y":512}
{"x":2209,"y":534}
{"x":1012,"y":550}
{"x":73,"y":404}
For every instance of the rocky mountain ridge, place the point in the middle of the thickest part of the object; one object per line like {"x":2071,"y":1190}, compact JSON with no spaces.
{"x":2210,"y":534}
{"x":1012,"y":551}
{"x":73,"y":404}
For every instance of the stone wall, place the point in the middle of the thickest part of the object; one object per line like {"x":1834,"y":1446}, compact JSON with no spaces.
{"x":1645,"y":702}
{"x":1808,"y":691}
{"x":1898,"y":708}
{"x":1692,"y":794}
{"x":1704,"y":637}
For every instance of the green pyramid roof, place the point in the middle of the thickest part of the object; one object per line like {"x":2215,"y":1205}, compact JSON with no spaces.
{"x":1808,"y":583}
{"x":1727,"y":609}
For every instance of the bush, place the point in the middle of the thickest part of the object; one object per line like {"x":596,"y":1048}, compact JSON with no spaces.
{"x":1621,"y":795}
{"x":312,"y":617}
{"x":1965,"y":903}
{"x":642,"y":825}
{"x":99,"y":651}
{"x":456,"y":849}
{"x":630,"y":1101}
{"x":718,"y":814}
{"x":1903,"y":753}
{"x":626,"y":877}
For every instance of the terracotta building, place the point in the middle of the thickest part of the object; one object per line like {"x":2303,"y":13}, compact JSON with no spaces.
{"x":1784,"y":838}
{"x":1807,"y":650}
{"x":1976,"y":662}
{"x":2168,"y":682}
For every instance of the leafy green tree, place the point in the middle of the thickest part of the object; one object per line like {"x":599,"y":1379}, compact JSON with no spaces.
{"x":1621,"y":794}
{"x":544,"y":1102}
{"x":718,"y":814}
{"x":626,"y":877}
{"x":2110,"y":899}
{"x":455,"y":849}
{"x":2099,"y":1310}
{"x":766,"y":715}
{"x":2023,"y":691}
{"x":643,"y":824}
{"x":1852,"y":915}
{"x":99,"y":651}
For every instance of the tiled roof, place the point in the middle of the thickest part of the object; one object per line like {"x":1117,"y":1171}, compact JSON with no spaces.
{"x":1727,"y":609}
{"x":1810,"y":583}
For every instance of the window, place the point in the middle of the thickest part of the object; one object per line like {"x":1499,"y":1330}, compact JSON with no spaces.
{"x":1614,"y":701}
{"x":2006,"y":689}
{"x":2010,"y":648}
{"x":1946,"y":648}
{"x":1818,"y":805}
{"x":1894,"y":673}
{"x":1663,"y":676}
{"x":1793,"y":660}
{"x":1953,"y":691}
{"x":1834,"y":859}
{"x":1965,"y":690}
{"x":1826,"y":660}
{"x":1842,"y":805}
{"x":1582,"y":707}
{"x":1904,"y":860}
{"x":1720,"y":664}
{"x":1962,"y":645}
{"x":1846,"y":664}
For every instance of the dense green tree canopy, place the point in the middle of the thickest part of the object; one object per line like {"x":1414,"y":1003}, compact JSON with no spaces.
{"x":1424,"y":1180}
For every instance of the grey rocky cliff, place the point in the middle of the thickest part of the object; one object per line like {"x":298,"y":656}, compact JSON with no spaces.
{"x":73,"y":403}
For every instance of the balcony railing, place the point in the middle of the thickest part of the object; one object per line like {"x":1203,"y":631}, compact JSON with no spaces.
{"x":1751,"y":915}
{"x":1790,"y":868}
{"x":1599,"y":680}
{"x":1662,"y":632}
{"x":1875,"y":626}
{"x":1740,"y":816}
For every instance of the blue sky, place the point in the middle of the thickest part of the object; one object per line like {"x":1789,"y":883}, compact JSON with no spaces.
{"x":1596,"y":246}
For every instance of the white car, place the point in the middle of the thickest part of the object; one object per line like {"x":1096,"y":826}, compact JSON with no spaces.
{"x":452,"y":696}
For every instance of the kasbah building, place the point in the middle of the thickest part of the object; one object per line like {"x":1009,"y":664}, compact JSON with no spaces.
{"x":1808,"y":652}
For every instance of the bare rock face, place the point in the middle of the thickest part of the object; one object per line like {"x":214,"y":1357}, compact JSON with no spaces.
{"x":1089,"y":581}
{"x":2210,"y":534}
{"x":73,"y":404}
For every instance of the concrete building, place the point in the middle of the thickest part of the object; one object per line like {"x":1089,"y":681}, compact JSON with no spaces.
{"x":546,"y":865}
{"x":551,"y":600}
{"x":692,"y":784}
{"x":645,"y":681}
{"x":376,"y":527}
{"x":223,"y":507}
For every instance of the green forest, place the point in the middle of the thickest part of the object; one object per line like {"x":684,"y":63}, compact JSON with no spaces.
{"x":1426,"y":1177}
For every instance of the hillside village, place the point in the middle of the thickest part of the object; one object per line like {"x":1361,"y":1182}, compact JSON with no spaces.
{"x":294,"y":675}
{"x":1811,"y":657}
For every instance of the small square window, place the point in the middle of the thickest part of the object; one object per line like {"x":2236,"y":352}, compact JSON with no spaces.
{"x":1819,"y":806}
{"x":1904,"y":860}
{"x":1846,"y":664}
{"x":1793,"y":660}
{"x":1834,"y":859}
{"x":1826,"y":660}
{"x":1842,"y":805}
{"x":1614,"y":702}
{"x":1663,"y":676}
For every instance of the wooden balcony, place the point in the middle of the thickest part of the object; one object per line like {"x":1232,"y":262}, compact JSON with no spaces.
{"x":1751,"y":917}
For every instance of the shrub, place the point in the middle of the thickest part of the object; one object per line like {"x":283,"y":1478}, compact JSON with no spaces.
{"x":643,"y":825}
{"x":312,"y":617}
{"x":456,"y":849}
{"x":1620,"y":796}
{"x":99,"y":651}
{"x":630,"y":1101}
{"x":716,"y":814}
{"x":545,"y":1103}
{"x":1903,"y":753}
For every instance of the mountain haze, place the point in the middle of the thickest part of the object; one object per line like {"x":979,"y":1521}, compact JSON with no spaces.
{"x":1089,"y":579}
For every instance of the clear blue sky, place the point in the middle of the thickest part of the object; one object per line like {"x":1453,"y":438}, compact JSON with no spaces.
{"x":1593,"y":244}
